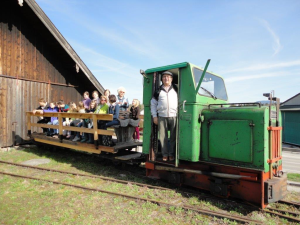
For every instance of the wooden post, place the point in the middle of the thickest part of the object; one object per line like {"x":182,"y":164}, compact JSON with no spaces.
{"x":28,"y":123}
{"x":60,"y":126}
{"x":95,"y":128}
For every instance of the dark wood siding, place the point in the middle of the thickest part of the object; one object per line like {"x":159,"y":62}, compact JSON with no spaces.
{"x":33,"y":65}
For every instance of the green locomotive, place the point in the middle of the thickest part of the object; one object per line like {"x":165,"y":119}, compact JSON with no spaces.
{"x":229,"y":149}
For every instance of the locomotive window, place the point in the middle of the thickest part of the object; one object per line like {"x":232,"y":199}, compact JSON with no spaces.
{"x":211,"y":84}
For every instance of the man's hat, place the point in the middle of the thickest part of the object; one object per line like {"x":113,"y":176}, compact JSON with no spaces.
{"x":167,"y":73}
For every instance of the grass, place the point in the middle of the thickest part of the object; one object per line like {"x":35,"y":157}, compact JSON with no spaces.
{"x":38,"y":202}
{"x":294,"y":177}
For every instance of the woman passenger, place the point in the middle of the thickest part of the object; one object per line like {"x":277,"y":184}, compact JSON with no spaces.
{"x":121,"y":100}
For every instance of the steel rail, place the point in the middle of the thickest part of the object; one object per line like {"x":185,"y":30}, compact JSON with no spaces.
{"x":281,"y":215}
{"x":284,"y":211}
{"x":201,"y":211}
{"x":296,"y":204}
{"x":87,"y":175}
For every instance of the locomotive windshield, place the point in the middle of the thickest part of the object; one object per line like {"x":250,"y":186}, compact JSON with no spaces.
{"x":211,"y":86}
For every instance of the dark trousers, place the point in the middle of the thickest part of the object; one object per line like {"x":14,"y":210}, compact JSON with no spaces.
{"x":166,"y":124}
{"x":44,"y":120}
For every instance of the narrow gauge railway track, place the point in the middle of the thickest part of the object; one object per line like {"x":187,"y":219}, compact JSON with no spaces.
{"x":184,"y":207}
{"x":283,"y":213}
{"x":295,"y":204}
{"x":181,"y":190}
{"x":87,"y":175}
{"x":274,"y":211}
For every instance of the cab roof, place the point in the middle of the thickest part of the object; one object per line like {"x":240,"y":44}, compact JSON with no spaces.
{"x":176,"y":66}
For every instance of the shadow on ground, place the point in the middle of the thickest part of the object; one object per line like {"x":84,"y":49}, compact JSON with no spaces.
{"x":93,"y":164}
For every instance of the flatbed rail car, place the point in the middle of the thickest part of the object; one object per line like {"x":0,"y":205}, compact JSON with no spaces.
{"x":120,"y":150}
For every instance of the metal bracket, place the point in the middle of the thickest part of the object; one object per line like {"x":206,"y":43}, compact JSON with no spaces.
{"x":183,"y":106}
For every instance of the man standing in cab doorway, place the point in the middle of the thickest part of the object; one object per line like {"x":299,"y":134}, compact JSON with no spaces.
{"x":164,"y":111}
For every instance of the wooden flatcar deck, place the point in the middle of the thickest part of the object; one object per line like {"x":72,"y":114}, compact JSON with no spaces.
{"x":42,"y":138}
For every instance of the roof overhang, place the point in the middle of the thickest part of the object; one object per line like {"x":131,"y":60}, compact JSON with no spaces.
{"x":63,"y":42}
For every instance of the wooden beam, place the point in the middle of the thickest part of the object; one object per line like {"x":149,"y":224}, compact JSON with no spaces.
{"x":85,"y":149}
{"x":74,"y":145}
{"x":107,"y":117}
{"x":77,"y":129}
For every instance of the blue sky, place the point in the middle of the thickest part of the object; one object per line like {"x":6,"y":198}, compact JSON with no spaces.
{"x":253,"y":45}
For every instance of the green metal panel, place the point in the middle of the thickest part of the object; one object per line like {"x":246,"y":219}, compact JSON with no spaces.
{"x":230,"y":140}
{"x":147,"y":95}
{"x":260,"y":136}
{"x":189,"y":135}
{"x":291,"y":127}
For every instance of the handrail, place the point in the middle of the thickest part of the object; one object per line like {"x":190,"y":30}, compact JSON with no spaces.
{"x":60,"y":127}
{"x":237,"y":104}
{"x":108,"y":117}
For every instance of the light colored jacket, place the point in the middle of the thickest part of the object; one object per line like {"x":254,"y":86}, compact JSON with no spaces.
{"x":165,"y":104}
{"x":101,"y":109}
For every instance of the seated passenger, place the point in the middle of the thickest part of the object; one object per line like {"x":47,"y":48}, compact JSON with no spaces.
{"x":107,"y":94}
{"x":62,"y":107}
{"x":101,"y":109}
{"x":87,"y":123}
{"x":95,"y":95}
{"x":52,"y":108}
{"x":86,"y":99}
{"x":78,"y":122}
{"x":121,"y":100}
{"x":42,"y":105}
{"x":73,"y":109}
{"x":114,"y":109}
{"x":135,"y":111}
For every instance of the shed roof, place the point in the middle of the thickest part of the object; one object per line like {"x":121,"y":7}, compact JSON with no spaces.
{"x":63,"y":42}
{"x":293,"y":101}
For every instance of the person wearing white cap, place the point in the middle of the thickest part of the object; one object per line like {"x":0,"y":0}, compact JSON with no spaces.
{"x":164,"y":111}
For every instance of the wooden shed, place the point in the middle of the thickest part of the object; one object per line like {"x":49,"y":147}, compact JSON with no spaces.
{"x":290,"y":111}
{"x":36,"y":62}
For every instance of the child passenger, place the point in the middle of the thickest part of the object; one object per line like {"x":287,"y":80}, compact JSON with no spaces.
{"x":52,"y":108}
{"x":42,"y":105}
{"x":86,"y":99}
{"x":73,"y":109}
{"x":113,"y":109}
{"x":78,"y":122}
{"x":95,"y":95}
{"x":101,"y":109}
{"x":62,"y":107}
{"x":107,"y":94}
{"x":87,"y":122}
{"x":135,"y":110}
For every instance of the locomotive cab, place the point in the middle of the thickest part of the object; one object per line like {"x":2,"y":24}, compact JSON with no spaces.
{"x":192,"y":99}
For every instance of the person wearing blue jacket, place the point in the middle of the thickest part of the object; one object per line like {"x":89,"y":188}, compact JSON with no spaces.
{"x":50,"y":109}
{"x":113,"y":109}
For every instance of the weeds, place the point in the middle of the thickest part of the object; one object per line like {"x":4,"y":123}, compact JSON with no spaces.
{"x":39,"y":202}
